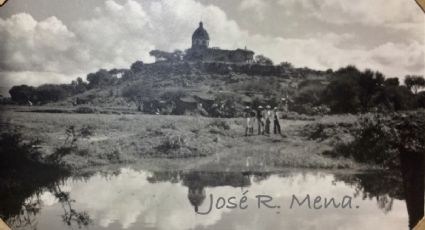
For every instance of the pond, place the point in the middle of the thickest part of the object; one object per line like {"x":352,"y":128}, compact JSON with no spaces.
{"x":137,"y":199}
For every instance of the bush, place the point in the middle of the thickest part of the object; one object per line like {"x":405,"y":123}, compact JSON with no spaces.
{"x":137,"y":66}
{"x":51,"y":93}
{"x":171,"y":144}
{"x":16,"y":153}
{"x":172,"y":95}
{"x":352,"y":91}
{"x":221,"y":124}
{"x":85,"y":110}
{"x":381,"y":140}
{"x":227,"y":105}
{"x":100,"y":78}
{"x":22,"y":93}
{"x":138,"y":90}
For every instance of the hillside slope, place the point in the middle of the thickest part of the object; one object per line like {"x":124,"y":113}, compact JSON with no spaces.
{"x":211,"y":89}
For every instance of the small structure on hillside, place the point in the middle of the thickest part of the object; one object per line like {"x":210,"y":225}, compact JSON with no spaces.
{"x":200,"y":51}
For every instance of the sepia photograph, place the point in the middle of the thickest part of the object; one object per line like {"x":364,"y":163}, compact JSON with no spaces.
{"x":212,"y":114}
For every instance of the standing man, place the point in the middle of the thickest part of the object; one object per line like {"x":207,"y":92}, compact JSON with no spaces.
{"x":276,"y":125}
{"x":249,"y":121}
{"x":260,"y":123}
{"x":253,"y":118}
{"x":268,"y":116}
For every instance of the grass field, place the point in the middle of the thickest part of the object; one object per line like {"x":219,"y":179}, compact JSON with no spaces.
{"x":183,"y":142}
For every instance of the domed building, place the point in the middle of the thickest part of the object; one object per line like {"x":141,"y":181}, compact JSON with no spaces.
{"x":200,"y":38}
{"x":201,"y":52}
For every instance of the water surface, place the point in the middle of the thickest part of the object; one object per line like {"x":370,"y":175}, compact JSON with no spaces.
{"x":138,"y":199}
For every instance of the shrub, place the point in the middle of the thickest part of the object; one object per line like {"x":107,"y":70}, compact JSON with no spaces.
{"x":171,"y":143}
{"x":138,"y":90}
{"x":228,"y":105}
{"x":85,"y":110}
{"x":137,"y":66}
{"x":381,"y":140}
{"x":51,"y":93}
{"x":22,"y":93}
{"x":16,"y":153}
{"x":221,"y":124}
{"x":86,"y":131}
{"x":100,"y":78}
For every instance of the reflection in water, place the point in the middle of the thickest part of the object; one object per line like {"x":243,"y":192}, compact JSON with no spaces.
{"x":196,"y":182}
{"x":25,"y":216}
{"x":130,"y":199}
{"x":70,"y":215}
{"x":412,"y":168}
{"x":384,"y":187}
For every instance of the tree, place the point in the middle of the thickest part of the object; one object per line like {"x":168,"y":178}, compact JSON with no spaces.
{"x":369,"y":84}
{"x":394,"y":98}
{"x":80,"y":81}
{"x":341,"y":95}
{"x":348,"y":71}
{"x":139,"y":91}
{"x":227,"y":104}
{"x":171,"y":95}
{"x":414,"y":83}
{"x":160,"y":55}
{"x":137,"y":66}
{"x":79,"y":86}
{"x":392,"y":82}
{"x":100,"y":78}
{"x":262,"y":60}
{"x":420,"y":99}
{"x":50,"y":93}
{"x":286,"y":65}
{"x":22,"y":93}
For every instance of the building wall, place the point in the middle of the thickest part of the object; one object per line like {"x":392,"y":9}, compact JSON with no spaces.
{"x":218,"y":55}
{"x":200,"y":43}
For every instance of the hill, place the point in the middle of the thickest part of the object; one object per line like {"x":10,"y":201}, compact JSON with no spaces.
{"x":211,"y":89}
{"x":220,"y":89}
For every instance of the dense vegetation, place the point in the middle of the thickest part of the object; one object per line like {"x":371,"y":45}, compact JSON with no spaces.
{"x":352,"y":91}
{"x":382,"y":140}
{"x":167,"y":87}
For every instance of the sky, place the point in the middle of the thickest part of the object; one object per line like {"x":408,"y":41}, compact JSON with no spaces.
{"x":55,"y":41}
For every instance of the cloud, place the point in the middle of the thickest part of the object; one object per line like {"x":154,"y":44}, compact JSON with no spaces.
{"x":31,"y":45}
{"x":257,"y":6}
{"x":362,"y":11}
{"x":322,"y":52}
{"x":116,"y":35}
{"x":119,"y":33}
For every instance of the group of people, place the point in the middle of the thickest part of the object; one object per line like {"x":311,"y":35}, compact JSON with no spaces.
{"x":262,"y":118}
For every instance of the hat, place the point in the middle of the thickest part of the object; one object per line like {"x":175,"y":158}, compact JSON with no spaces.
{"x":260,"y":107}
{"x":247,"y":107}
{"x":275,"y":108}
{"x":268,"y":106}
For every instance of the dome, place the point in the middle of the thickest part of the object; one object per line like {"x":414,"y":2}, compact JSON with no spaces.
{"x":200,"y":33}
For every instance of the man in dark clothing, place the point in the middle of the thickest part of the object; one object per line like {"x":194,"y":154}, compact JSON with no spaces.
{"x":259,"y":119}
{"x":267,"y":118}
{"x":252,"y":114}
{"x":276,"y":125}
